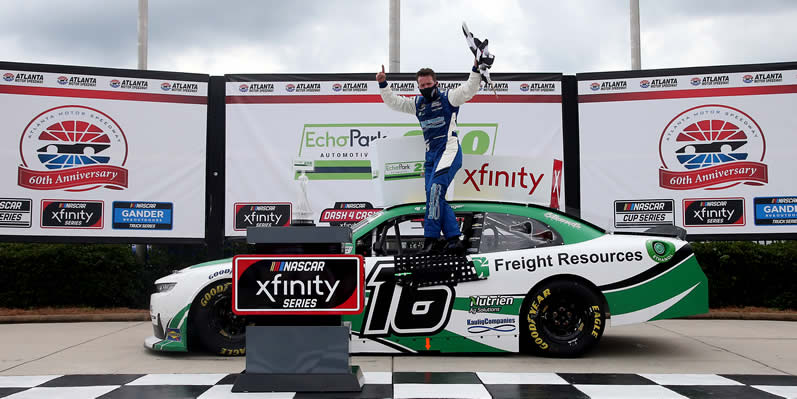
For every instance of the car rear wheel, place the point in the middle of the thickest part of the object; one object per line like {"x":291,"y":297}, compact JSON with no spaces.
{"x":562,"y":319}
{"x":217,"y":328}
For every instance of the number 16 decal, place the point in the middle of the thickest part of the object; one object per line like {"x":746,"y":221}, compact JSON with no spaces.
{"x":397,"y":310}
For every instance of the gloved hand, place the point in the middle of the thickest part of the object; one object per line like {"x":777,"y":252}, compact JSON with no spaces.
{"x":479,"y":49}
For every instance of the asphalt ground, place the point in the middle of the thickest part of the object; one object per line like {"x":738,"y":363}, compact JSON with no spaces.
{"x":667,"y":346}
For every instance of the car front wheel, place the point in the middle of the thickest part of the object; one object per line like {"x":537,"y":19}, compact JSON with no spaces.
{"x":217,"y":328}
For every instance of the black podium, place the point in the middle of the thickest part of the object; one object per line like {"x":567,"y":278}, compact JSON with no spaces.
{"x":292,"y":352}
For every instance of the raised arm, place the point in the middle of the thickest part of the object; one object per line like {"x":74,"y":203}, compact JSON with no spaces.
{"x":393,"y":101}
{"x":464,"y":93}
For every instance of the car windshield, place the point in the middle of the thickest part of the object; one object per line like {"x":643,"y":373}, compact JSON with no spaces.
{"x":362,"y":223}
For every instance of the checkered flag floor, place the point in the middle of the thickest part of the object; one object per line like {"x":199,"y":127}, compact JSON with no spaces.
{"x":414,"y":385}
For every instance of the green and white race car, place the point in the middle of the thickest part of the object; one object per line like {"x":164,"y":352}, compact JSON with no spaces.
{"x":550,"y":284}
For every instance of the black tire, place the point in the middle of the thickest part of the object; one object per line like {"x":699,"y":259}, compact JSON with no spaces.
{"x":562,"y":319}
{"x":216,"y":327}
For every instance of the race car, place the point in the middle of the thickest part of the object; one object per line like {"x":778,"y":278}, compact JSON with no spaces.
{"x":549,"y":283}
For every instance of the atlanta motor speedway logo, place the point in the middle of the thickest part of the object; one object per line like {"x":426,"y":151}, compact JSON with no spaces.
{"x":712,"y":147}
{"x":73,"y":148}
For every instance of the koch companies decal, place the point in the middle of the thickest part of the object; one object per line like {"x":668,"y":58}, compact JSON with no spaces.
{"x":495,"y":325}
{"x":261,"y":214}
{"x":57,"y":214}
{"x":142,"y":215}
{"x":712,"y":147}
{"x":644,"y":213}
{"x":775,"y":211}
{"x":714,"y":212}
{"x":15,"y":212}
{"x":73,"y":148}
{"x":309,"y":284}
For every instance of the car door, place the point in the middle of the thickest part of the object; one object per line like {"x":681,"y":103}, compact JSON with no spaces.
{"x":395,"y":317}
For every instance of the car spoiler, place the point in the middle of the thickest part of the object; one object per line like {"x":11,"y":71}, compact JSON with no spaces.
{"x":669,"y":231}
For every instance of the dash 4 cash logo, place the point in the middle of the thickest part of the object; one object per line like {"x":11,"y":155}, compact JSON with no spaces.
{"x":347,"y":213}
{"x":712,"y":147}
{"x":57,"y":214}
{"x":72,"y":148}
{"x":714,"y":212}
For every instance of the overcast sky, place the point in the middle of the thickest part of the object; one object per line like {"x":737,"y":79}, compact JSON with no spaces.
{"x":333,"y":36}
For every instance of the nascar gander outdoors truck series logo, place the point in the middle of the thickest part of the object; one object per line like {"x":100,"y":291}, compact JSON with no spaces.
{"x":73,"y":148}
{"x":712,"y":147}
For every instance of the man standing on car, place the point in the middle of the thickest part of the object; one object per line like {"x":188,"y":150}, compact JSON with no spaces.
{"x":437,"y":113}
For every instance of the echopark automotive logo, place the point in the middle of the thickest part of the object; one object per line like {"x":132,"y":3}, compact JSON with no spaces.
{"x":712,"y":147}
{"x":72,"y":148}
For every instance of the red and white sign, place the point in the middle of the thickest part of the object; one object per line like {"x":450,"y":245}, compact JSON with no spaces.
{"x":713,"y":134}
{"x":93,"y":139}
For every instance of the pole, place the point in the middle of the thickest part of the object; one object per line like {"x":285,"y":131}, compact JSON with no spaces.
{"x":394,"y":64}
{"x":143,"y":20}
{"x":142,"y":249}
{"x":636,"y":51}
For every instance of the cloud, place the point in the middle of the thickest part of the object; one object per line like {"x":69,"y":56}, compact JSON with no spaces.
{"x":271,"y":36}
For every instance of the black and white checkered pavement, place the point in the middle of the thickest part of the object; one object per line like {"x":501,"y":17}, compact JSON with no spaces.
{"x":414,"y":385}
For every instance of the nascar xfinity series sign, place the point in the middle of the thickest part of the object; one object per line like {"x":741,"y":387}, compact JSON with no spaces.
{"x":298,"y":284}
{"x":102,"y":153}
{"x":707,"y":149}
{"x":332,"y":125}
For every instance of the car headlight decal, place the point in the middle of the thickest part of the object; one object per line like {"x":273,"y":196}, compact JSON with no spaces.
{"x":164,"y":287}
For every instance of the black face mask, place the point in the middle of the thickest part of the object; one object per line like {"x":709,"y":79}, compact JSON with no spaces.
{"x":429,"y":93}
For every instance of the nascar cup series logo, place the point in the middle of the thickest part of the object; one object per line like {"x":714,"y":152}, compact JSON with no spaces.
{"x":73,"y":148}
{"x":712,"y":147}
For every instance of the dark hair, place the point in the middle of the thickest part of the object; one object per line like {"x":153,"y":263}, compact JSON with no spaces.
{"x":425,"y":72}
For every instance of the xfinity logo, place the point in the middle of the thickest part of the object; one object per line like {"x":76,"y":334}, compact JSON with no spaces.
{"x":704,"y":213}
{"x":501,"y":178}
{"x":62,"y":215}
{"x":254,"y":218}
{"x":714,"y":212}
{"x":314,"y":287}
{"x":261,"y":214}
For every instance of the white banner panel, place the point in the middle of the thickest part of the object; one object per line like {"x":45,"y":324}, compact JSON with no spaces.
{"x":98,"y":156}
{"x":711,"y":152}
{"x":335,"y":121}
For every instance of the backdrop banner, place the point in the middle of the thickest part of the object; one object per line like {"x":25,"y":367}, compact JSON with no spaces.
{"x":99,"y":153}
{"x":709,"y":149}
{"x":334,"y":122}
